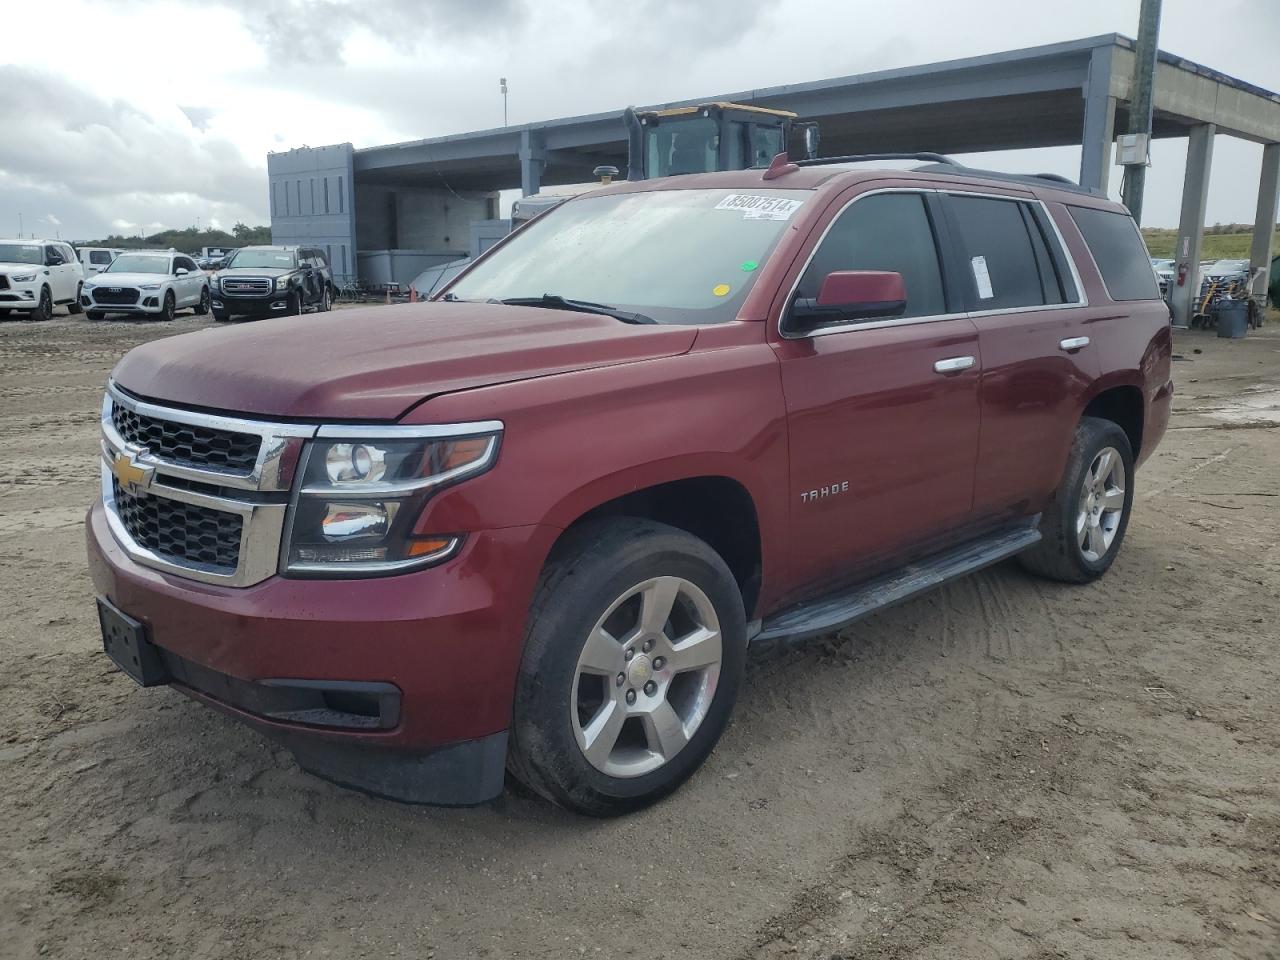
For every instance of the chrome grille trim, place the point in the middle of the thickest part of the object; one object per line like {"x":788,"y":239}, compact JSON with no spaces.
{"x":246,"y":286}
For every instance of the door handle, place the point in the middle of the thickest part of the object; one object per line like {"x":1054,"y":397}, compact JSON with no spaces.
{"x":954,"y":364}
{"x":1072,"y":344}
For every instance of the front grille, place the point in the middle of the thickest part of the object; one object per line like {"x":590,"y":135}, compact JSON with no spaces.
{"x":4,"y":282}
{"x":121,"y":296}
{"x":181,"y":532}
{"x":247,"y":286}
{"x":182,"y":443}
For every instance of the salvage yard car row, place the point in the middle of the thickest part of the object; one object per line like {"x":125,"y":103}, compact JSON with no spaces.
{"x":36,"y":276}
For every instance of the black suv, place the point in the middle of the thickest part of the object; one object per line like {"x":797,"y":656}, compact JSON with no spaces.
{"x":266,"y":281}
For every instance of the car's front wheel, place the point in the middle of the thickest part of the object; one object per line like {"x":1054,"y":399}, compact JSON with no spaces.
{"x":74,"y":305}
{"x":94,"y":314}
{"x":202,"y":307}
{"x":633,"y":658}
{"x":1084,"y":525}
{"x":169,"y":308}
{"x":44,"y":307}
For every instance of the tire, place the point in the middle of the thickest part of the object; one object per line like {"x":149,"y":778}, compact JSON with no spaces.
{"x":574,"y":696}
{"x":74,"y":306}
{"x":4,"y":313}
{"x":220,"y":316}
{"x":326,"y":300}
{"x":44,"y":309}
{"x":295,"y":303}
{"x":94,"y":314}
{"x":1084,"y":525}
{"x":170,"y":309}
{"x":202,"y":308}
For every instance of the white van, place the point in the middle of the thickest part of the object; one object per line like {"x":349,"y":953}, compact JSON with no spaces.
{"x":96,"y":259}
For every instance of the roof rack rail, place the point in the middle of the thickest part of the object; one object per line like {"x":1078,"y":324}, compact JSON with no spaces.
{"x":866,"y":157}
{"x":940,"y":163}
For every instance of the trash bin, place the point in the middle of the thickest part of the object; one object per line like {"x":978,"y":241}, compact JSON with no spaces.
{"x":1233,"y":318}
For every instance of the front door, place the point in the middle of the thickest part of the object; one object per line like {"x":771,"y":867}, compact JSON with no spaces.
{"x":882,"y":414}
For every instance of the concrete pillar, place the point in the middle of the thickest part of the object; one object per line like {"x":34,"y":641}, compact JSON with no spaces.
{"x":1265,"y":224}
{"x":1099,"y":122}
{"x":1195,"y":194}
{"x":533,"y":160}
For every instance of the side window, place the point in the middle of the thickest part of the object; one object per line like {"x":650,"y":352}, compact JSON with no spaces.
{"x":100,"y":257}
{"x":53,"y":256}
{"x":999,"y":256}
{"x":766,"y":143}
{"x":886,"y":231}
{"x":68,"y":254}
{"x":185,"y":264}
{"x":1120,"y":253}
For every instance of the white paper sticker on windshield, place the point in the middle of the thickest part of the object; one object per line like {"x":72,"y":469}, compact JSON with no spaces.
{"x":982,"y":277}
{"x":755,"y":207}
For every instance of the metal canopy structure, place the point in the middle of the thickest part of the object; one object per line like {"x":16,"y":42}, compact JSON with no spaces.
{"x":1071,"y":93}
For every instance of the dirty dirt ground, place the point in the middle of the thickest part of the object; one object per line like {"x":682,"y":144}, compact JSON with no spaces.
{"x":1004,"y":768}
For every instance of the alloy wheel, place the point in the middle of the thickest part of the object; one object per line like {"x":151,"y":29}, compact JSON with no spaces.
{"x":1101,"y":507}
{"x":646,"y":677}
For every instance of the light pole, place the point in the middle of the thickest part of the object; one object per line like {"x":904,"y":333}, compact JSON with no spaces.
{"x":502,"y":83}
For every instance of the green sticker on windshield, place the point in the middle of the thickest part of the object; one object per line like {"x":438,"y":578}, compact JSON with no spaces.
{"x":749,"y":265}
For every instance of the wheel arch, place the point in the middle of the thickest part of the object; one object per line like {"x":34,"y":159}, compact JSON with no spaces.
{"x":1122,"y":402}
{"x":714,"y":507}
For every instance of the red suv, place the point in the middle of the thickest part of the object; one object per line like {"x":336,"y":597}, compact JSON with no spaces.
{"x":534,"y":524}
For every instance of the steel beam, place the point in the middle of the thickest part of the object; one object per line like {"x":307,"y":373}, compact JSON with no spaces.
{"x":1195,"y":195}
{"x":533,"y":160}
{"x":1264,"y":225}
{"x":1099,"y":121}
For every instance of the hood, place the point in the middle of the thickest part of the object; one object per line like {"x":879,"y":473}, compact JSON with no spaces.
{"x":256,"y":271}
{"x":9,"y":266}
{"x":117,"y":279}
{"x":377,"y":362}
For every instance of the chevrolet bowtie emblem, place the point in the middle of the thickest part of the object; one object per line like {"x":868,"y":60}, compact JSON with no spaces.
{"x":131,"y":475}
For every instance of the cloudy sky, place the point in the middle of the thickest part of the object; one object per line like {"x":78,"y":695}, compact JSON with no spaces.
{"x":127,"y":115}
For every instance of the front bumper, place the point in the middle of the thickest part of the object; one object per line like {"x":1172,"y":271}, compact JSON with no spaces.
{"x":149,"y":301}
{"x":250,"y":306}
{"x":447,"y":640}
{"x":20,"y":296}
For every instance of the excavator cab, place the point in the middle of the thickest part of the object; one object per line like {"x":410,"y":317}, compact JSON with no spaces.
{"x":710,"y":137}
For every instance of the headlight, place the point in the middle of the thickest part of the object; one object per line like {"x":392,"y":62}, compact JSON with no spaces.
{"x":360,"y":497}
{"x":22,"y":277}
{"x":282,"y":283}
{"x":149,"y":286}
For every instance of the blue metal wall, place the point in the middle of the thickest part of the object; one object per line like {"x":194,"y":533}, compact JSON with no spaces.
{"x":312,"y":196}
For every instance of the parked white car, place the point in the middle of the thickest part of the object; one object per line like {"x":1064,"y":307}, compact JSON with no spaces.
{"x":155,"y":283}
{"x":96,"y":259}
{"x":36,"y":275}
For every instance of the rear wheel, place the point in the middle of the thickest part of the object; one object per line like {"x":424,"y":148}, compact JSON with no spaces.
{"x":74,"y":305}
{"x":202,"y":307}
{"x":1085,"y":523}
{"x":633,"y":659}
{"x":326,"y":299}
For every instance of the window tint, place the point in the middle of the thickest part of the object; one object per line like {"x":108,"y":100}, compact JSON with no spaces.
{"x":1000,"y":261}
{"x":1121,"y":255}
{"x":887,"y":231}
{"x":53,"y":256}
{"x":184,"y":263}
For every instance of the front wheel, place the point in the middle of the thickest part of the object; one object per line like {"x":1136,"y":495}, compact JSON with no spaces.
{"x":170,"y":309}
{"x":326,"y":299}
{"x":633,"y":658}
{"x":94,"y":314}
{"x":44,"y":308}
{"x":202,"y":307}
{"x":74,"y":305}
{"x":295,"y":303}
{"x":1084,"y":525}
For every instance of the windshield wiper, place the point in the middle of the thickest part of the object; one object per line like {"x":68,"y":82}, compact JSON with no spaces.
{"x":553,"y":301}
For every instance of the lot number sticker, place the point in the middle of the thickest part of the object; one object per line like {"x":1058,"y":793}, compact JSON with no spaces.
{"x":982,"y":277}
{"x":755,"y":207}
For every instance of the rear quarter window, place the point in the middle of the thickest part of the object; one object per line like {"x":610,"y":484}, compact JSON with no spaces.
{"x":99,"y":257}
{"x":1119,"y":252}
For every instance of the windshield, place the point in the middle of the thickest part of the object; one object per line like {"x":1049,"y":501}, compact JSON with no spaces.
{"x":276,"y":259}
{"x":21,"y":253}
{"x":138,"y":263}
{"x":678,"y":256}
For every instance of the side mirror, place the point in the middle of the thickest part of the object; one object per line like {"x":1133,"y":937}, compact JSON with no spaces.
{"x":181,"y":272}
{"x":853,"y":295}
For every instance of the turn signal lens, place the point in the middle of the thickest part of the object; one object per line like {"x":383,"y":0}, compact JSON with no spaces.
{"x":422,"y":548}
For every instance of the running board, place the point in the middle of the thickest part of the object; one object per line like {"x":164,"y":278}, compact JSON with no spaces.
{"x":841,"y":609}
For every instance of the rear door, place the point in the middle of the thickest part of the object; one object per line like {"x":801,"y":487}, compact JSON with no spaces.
{"x":883,"y":413}
{"x":1038,"y":361}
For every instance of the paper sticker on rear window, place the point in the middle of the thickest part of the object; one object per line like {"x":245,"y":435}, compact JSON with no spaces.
{"x":755,"y":207}
{"x":982,"y":277}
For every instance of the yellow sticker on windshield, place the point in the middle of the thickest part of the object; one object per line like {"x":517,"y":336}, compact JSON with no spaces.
{"x":720,"y":289}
